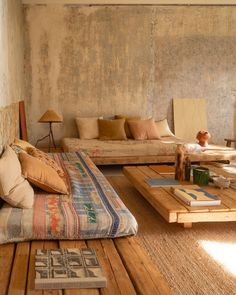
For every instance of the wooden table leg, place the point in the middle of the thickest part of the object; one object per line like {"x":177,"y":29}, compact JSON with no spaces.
{"x":229,"y":141}
{"x":187,"y":225}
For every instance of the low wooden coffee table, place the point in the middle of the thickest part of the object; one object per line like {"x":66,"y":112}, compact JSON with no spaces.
{"x":174,"y":210}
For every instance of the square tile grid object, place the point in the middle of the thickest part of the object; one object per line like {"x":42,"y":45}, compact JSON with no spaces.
{"x":68,"y":268}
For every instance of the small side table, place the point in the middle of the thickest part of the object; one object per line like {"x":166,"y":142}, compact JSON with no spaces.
{"x":229,"y":141}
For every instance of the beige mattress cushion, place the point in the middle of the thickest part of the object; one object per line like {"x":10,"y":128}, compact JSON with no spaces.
{"x":123,"y":148}
{"x":14,"y":189}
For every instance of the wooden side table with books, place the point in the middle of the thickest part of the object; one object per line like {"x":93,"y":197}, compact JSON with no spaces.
{"x":172,"y":208}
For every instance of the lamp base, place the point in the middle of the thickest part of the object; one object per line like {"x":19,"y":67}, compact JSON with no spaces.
{"x":50,"y":137}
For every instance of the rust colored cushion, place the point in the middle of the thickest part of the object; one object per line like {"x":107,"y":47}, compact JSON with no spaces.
{"x":127,"y":119}
{"x":143,"y":129}
{"x":46,"y":159}
{"x":41,"y":175}
{"x":112,"y":129}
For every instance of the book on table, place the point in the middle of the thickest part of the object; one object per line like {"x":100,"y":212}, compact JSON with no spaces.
{"x":162,"y":182}
{"x":163,"y":169}
{"x":68,"y":268}
{"x":196,"y":197}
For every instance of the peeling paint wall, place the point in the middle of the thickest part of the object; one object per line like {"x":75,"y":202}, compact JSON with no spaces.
{"x":11,"y":52}
{"x":106,"y":60}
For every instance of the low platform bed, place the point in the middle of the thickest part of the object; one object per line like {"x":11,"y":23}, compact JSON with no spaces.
{"x":110,"y":152}
{"x":91,"y":210}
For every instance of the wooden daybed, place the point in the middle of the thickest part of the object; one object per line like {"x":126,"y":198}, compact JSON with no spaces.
{"x":130,"y":151}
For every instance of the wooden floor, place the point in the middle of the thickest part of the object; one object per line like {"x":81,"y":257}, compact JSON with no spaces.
{"x":127,"y":267}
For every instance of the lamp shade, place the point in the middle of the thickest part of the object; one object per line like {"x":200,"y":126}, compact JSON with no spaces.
{"x":50,"y":116}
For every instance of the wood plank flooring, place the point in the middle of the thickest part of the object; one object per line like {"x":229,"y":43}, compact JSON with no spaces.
{"x":127,"y":267}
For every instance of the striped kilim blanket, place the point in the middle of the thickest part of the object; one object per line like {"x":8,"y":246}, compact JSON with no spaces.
{"x":92,"y":210}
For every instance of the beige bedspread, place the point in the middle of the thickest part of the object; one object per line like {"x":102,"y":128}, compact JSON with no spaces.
{"x":163,"y":148}
{"x":122,"y":148}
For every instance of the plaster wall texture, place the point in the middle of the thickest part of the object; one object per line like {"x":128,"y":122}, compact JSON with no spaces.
{"x":133,"y":60}
{"x":11,"y":52}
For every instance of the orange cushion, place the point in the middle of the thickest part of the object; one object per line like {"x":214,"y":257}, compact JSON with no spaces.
{"x":112,"y":129}
{"x":127,"y":119}
{"x":41,"y":175}
{"x":143,"y":129}
{"x":46,"y":159}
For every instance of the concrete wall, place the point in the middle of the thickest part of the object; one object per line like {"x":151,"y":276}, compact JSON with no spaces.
{"x":11,"y":68}
{"x":11,"y":52}
{"x":110,"y":60}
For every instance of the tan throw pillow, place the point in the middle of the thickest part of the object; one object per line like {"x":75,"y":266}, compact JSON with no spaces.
{"x":42,"y":175}
{"x":14,"y":189}
{"x":112,"y":129}
{"x":22,"y":144}
{"x":127,"y":119}
{"x":163,"y":128}
{"x":88,"y":127}
{"x":143,"y":129}
{"x":46,"y":159}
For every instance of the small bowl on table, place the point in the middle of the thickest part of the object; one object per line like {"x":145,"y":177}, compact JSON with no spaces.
{"x":221,"y":182}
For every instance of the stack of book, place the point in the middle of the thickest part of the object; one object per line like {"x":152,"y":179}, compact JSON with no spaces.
{"x":196,"y":197}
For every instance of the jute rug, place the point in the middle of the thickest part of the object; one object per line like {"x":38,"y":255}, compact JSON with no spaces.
{"x":177,"y":252}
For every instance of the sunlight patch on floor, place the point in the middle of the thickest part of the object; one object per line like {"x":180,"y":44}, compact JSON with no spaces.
{"x":223,"y":253}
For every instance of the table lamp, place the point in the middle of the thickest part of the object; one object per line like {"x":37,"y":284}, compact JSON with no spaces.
{"x":49,"y":117}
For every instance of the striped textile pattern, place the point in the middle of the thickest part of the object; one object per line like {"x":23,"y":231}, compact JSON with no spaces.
{"x":92,"y":210}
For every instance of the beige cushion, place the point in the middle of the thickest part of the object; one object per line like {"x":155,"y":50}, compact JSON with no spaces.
{"x":46,"y":159}
{"x":14,"y":189}
{"x":163,"y":128}
{"x":22,"y":196}
{"x":112,"y":129}
{"x":88,"y":127}
{"x":41,"y":175}
{"x":143,"y":129}
{"x":22,"y":144}
{"x":127,"y":119}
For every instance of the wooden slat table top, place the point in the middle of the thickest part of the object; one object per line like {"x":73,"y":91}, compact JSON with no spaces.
{"x":129,"y":270}
{"x":166,"y":203}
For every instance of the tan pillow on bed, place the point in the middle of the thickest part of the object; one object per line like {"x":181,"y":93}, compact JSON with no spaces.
{"x":112,"y":129}
{"x":143,"y":129}
{"x":46,"y":159}
{"x":163,"y":128}
{"x":42,"y":175}
{"x":127,"y":119}
{"x":14,"y":189}
{"x":88,"y":127}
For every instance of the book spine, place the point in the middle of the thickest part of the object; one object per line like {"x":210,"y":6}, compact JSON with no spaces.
{"x":179,"y":195}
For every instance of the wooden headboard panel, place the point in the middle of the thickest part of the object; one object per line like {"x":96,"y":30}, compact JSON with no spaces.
{"x":9,"y":124}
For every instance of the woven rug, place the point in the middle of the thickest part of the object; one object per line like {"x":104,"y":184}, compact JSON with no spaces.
{"x":184,"y":256}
